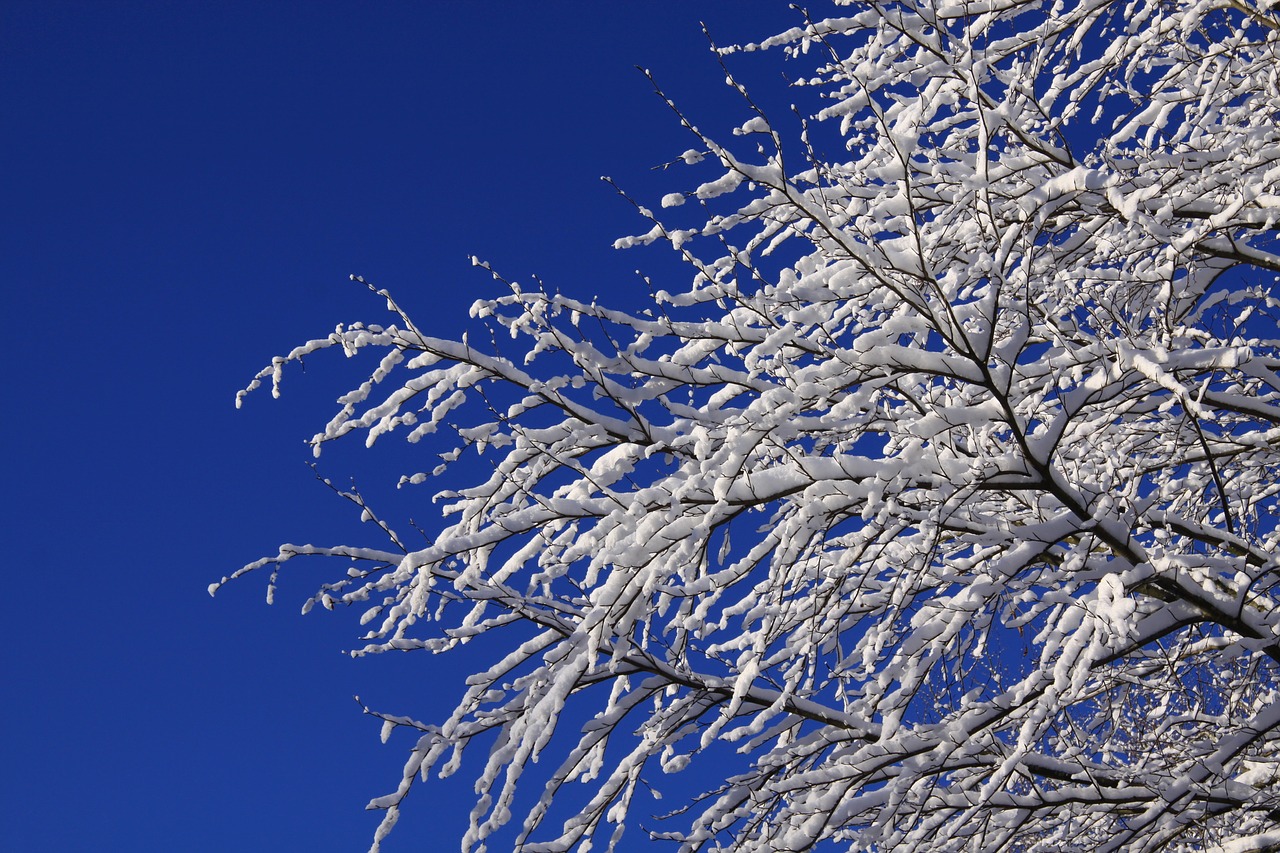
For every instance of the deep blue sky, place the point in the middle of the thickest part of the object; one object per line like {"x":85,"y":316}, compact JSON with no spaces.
{"x":186,"y":188}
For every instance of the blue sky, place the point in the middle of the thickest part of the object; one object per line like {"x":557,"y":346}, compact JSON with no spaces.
{"x":187,"y":187}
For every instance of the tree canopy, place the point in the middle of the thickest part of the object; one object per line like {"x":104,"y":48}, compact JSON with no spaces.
{"x":939,"y":505}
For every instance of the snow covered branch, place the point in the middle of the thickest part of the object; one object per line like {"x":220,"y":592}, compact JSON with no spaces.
{"x":941,"y":505}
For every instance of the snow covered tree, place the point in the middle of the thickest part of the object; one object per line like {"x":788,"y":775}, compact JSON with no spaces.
{"x":943,"y":500}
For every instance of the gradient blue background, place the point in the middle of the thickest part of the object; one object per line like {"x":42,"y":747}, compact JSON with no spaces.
{"x":186,"y":187}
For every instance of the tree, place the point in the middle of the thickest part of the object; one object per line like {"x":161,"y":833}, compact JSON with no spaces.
{"x":945,"y":495}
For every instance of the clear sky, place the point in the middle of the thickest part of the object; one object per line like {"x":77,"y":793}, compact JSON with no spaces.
{"x":186,"y":187}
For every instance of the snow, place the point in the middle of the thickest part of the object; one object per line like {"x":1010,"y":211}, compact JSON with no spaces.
{"x":942,"y":498}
